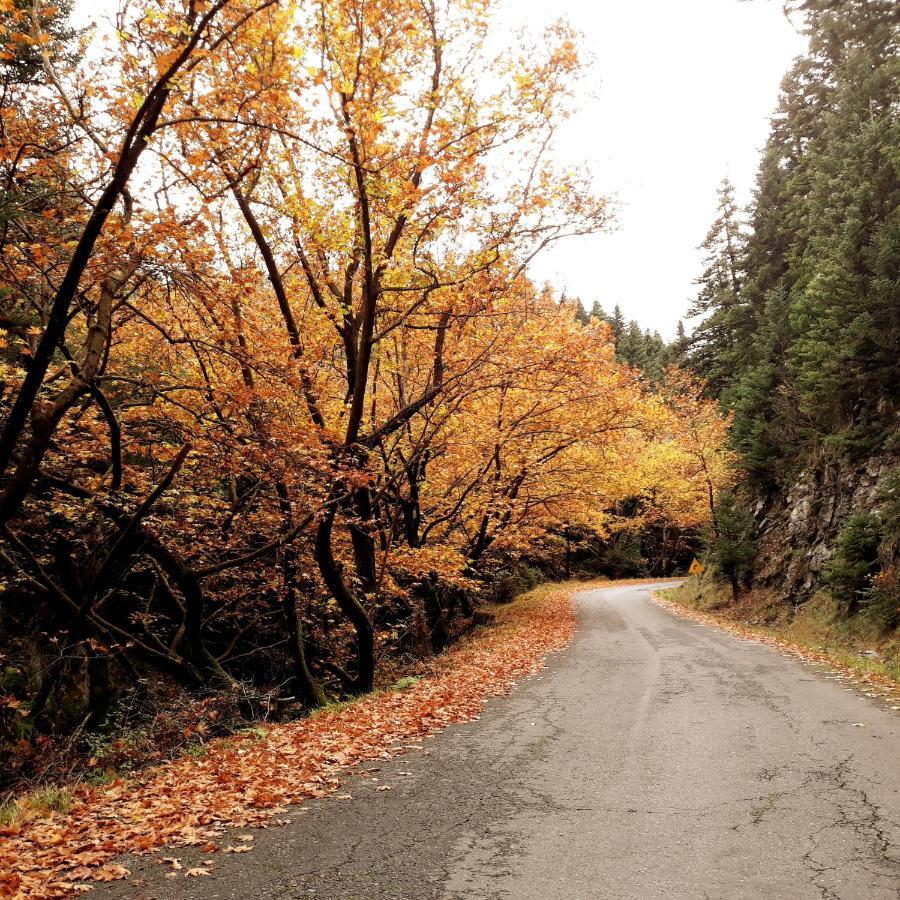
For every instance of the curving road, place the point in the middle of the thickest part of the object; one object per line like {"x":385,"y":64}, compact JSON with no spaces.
{"x":653,"y":758}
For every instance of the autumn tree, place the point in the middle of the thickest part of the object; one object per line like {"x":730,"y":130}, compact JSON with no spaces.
{"x":398,"y":138}
{"x":279,"y":395}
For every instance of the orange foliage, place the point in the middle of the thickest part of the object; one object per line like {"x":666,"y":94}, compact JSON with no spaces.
{"x":276,"y":376}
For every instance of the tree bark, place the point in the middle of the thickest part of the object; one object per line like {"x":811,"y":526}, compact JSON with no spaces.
{"x":348,"y":603}
{"x":305,"y":682}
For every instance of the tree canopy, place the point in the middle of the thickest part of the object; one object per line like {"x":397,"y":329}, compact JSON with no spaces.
{"x":278,"y":395}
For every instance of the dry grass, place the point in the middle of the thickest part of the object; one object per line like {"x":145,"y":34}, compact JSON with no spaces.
{"x":817,"y":629}
{"x":37,"y":804}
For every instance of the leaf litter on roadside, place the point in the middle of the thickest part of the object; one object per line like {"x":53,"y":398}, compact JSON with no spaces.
{"x":246,"y":782}
{"x":752,"y":635}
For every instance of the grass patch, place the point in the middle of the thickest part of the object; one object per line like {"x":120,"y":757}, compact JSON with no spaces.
{"x":334,"y":706}
{"x":100,"y":778}
{"x":256,"y":733}
{"x":9,"y":813}
{"x":37,"y":804}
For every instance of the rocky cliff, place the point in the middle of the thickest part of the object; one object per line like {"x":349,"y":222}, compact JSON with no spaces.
{"x":797,"y":526}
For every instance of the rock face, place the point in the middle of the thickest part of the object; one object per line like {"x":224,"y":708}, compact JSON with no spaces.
{"x":796,"y":527}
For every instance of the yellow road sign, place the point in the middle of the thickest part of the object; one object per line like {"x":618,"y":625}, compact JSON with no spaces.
{"x":696,"y":567}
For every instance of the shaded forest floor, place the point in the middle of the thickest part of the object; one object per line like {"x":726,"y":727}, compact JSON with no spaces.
{"x":55,"y":845}
{"x":814,"y":631}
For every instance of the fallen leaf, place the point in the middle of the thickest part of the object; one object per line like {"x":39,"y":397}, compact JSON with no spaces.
{"x":111,"y":873}
{"x":246,"y":783}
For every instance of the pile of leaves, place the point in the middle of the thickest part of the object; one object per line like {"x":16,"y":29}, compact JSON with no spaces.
{"x":249,"y":779}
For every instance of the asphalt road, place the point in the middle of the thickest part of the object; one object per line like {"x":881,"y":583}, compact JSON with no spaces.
{"x":653,"y":758}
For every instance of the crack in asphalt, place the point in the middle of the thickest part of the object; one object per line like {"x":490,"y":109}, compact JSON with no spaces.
{"x":856,"y":814}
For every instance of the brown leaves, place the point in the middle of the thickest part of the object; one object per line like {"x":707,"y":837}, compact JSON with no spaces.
{"x":110,"y":873}
{"x":247,"y":782}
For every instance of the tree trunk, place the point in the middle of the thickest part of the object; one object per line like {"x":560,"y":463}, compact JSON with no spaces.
{"x":306,"y":685}
{"x":363,"y":542}
{"x":348,"y":603}
{"x":98,"y":688}
{"x":305,"y":682}
{"x":435,"y":616}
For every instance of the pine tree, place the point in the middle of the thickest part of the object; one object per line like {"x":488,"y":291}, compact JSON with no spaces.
{"x":22,"y":62}
{"x":645,"y":350}
{"x":719,"y":295}
{"x":731,"y":549}
{"x":631,"y":347}
{"x":849,"y":572}
{"x":802,"y":337}
{"x":845,"y":303}
{"x":617,"y":320}
{"x":578,"y":310}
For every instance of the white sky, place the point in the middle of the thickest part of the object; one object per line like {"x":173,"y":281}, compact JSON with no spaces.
{"x":677,"y":96}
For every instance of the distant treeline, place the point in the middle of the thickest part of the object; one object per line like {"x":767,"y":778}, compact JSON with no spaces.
{"x":642,"y":348}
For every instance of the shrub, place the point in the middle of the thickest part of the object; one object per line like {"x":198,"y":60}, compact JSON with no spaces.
{"x":849,"y":572}
{"x":881,"y":603}
{"x":518,"y":579}
{"x":731,"y":549}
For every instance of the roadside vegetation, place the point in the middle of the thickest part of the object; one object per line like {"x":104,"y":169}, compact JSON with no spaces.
{"x":281,"y":408}
{"x":820,"y":625}
{"x":798,"y":336}
{"x":57,"y":840}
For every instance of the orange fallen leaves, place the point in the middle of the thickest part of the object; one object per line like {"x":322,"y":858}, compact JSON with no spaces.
{"x":110,"y":873}
{"x":246,"y":781}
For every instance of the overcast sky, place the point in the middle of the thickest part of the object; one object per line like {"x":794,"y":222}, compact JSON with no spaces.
{"x":678,"y":95}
